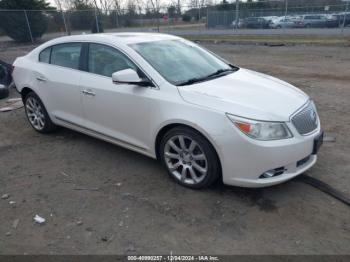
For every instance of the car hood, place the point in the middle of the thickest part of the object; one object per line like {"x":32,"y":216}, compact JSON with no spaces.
{"x":247,"y":93}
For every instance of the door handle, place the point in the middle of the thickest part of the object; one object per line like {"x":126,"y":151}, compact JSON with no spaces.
{"x":40,"y":78}
{"x":88,"y":92}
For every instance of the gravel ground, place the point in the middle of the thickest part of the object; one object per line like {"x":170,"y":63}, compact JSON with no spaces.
{"x":127,"y":204}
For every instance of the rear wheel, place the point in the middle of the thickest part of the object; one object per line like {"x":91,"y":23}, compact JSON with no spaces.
{"x":37,"y":114}
{"x":189,"y":158}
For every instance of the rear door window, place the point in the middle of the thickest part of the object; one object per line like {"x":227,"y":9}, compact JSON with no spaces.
{"x":44,"y":56}
{"x":66,"y":55}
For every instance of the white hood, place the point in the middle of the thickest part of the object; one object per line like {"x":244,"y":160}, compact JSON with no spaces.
{"x":248,"y":94}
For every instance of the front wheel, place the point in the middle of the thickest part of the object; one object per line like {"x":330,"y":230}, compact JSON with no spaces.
{"x":37,"y":114}
{"x":189,"y":158}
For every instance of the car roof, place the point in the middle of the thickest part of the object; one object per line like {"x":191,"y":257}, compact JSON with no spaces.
{"x":122,"y":38}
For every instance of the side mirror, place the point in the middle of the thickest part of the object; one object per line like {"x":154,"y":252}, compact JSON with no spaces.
{"x":129,"y":76}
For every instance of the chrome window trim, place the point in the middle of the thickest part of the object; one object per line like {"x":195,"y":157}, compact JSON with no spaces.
{"x":156,"y":86}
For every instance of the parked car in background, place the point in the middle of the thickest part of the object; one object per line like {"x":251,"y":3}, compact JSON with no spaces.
{"x":269,"y":19}
{"x":337,"y":20}
{"x":313,"y":21}
{"x":333,"y":20}
{"x":239,"y":25}
{"x":283,"y":22}
{"x":255,"y":22}
{"x":347,"y":18}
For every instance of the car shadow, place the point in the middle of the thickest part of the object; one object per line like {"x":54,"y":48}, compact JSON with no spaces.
{"x":249,"y":196}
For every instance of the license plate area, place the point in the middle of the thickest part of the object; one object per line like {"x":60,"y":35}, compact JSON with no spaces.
{"x":318,"y":141}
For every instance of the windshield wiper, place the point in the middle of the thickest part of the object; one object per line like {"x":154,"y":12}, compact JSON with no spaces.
{"x":191,"y":81}
{"x":220,"y":72}
{"x":217,"y":73}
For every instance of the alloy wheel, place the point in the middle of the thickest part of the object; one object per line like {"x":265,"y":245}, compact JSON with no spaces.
{"x":185,"y":159}
{"x":35,"y":113}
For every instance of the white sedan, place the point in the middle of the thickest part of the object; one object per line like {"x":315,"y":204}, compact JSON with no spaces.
{"x":160,"y":95}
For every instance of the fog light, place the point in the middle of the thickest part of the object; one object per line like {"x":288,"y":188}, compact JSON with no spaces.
{"x":273,"y":172}
{"x":268,"y":174}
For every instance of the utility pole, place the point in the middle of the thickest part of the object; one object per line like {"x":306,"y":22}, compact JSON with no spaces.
{"x":237,"y":14}
{"x":29,"y":29}
{"x":64,"y":22}
{"x":96,"y":20}
{"x":286,"y":9}
{"x":345,"y":15}
{"x":199,"y":10}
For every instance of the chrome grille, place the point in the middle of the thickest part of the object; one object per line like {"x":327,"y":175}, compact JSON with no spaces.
{"x":305,"y":121}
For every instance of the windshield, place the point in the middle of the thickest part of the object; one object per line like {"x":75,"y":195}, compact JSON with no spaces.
{"x":180,"y":62}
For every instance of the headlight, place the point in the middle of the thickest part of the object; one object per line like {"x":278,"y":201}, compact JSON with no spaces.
{"x":261,"y":130}
{"x":315,"y":109}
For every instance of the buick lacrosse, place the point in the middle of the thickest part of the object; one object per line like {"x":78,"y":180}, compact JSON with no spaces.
{"x":168,"y":98}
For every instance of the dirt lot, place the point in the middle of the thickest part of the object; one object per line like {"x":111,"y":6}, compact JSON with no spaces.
{"x":131,"y":206}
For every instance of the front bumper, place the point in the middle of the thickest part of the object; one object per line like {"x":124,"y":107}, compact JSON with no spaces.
{"x":244,"y":160}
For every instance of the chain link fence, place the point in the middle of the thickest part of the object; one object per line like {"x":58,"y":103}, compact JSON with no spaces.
{"x":34,"y":25}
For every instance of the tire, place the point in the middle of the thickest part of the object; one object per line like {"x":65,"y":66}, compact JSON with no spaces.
{"x":183,"y":148}
{"x":37,"y":115}
{"x":4,"y":92}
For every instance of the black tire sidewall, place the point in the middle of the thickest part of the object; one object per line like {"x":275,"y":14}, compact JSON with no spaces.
{"x":213,"y":162}
{"x":4,"y":92}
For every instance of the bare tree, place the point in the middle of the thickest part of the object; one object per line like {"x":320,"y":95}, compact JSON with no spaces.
{"x":64,"y":4}
{"x":106,"y":5}
{"x":118,"y":6}
{"x":178,"y":5}
{"x":59,"y":4}
{"x":199,"y":4}
{"x":156,"y":5}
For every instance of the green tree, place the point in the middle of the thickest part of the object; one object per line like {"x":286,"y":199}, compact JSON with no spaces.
{"x":186,"y":18}
{"x":171,"y":11}
{"x":14,"y":23}
{"x":83,"y":17}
